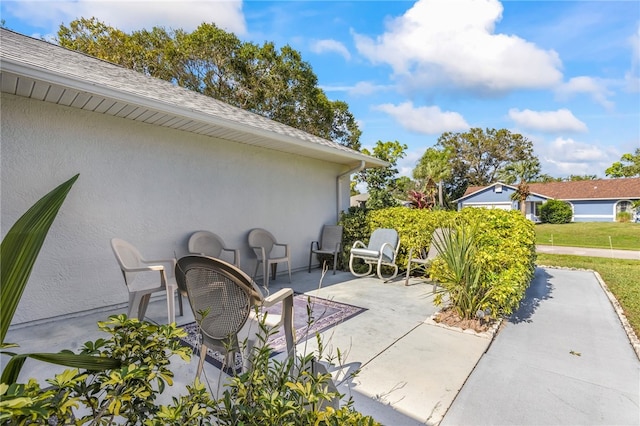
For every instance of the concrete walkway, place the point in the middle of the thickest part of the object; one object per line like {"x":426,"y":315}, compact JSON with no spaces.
{"x":593,"y":252}
{"x":563,"y":358}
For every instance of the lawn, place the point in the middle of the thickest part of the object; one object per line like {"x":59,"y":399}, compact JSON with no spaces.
{"x":621,"y":276}
{"x":623,"y":236}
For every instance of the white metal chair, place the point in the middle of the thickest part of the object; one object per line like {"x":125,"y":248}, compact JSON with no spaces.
{"x":424,"y":257}
{"x":228,"y":295}
{"x":330,"y":244}
{"x":209,"y":244}
{"x":140,"y":281}
{"x":268,"y":252}
{"x":382,"y":250}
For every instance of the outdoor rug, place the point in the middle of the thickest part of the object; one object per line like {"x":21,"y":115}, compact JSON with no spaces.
{"x":325,"y":314}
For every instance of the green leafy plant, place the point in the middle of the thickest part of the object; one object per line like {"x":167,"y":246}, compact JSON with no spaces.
{"x":623,"y":217}
{"x":18,"y":251}
{"x":123,"y":395}
{"x":462,"y":279}
{"x":556,"y":212}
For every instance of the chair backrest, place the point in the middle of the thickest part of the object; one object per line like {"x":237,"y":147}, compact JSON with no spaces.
{"x":436,"y":237}
{"x":331,"y":237}
{"x":220,"y":288}
{"x":259,"y":237}
{"x":381,"y":236}
{"x":205,"y":243}
{"x":127,"y":256}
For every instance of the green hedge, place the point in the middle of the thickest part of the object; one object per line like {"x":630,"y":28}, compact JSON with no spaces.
{"x":506,"y":244}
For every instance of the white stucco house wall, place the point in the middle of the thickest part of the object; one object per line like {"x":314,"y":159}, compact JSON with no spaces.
{"x":156,"y":163}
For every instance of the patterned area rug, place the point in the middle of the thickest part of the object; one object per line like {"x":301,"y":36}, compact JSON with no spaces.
{"x":324,"y":313}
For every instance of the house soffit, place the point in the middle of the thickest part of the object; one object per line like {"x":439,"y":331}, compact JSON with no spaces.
{"x":160,"y":104}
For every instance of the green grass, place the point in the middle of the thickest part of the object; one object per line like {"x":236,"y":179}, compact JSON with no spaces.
{"x":622,"y":277}
{"x":622,"y":236}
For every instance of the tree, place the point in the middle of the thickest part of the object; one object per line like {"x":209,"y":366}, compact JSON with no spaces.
{"x":380,"y":181}
{"x":523,"y":171}
{"x":628,"y":166}
{"x":574,"y":178}
{"x":478,"y":155}
{"x":546,"y":178}
{"x":433,"y":167}
{"x":274,"y":83}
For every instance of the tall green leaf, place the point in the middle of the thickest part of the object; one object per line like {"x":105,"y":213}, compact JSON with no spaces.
{"x":20,"y":248}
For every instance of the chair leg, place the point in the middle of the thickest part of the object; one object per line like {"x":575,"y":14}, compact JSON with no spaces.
{"x":335,"y":262}
{"x":406,"y":280}
{"x":180,"y":303}
{"x":203,"y":355}
{"x":310,"y":256}
{"x":289,"y":266}
{"x":142,"y":308}
{"x":265,"y":274}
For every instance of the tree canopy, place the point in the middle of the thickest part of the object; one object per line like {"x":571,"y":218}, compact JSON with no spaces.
{"x":274,"y":83}
{"x":381,"y":182}
{"x":478,"y":156}
{"x":628,"y":166}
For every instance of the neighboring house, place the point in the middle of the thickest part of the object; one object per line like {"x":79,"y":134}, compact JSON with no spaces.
{"x":591,"y":200}
{"x":156,"y":162}
{"x":359,"y":200}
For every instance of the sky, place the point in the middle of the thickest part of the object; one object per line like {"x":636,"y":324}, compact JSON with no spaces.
{"x":564,"y":74}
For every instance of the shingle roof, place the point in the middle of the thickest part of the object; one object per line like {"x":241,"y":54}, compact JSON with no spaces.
{"x":42,"y":70}
{"x":600,"y":189}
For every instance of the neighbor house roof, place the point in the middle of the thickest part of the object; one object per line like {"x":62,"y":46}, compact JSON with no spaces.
{"x":41,"y":70}
{"x":601,"y":189}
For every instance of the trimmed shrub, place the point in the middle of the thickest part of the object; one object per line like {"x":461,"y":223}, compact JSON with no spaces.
{"x":623,"y":217}
{"x":504,"y":247}
{"x":556,"y":212}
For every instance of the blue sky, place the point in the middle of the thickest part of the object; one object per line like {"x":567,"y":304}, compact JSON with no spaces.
{"x":565,"y":74}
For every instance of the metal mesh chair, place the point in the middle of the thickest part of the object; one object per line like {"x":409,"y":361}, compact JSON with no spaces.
{"x":228,"y":295}
{"x":330,"y":244}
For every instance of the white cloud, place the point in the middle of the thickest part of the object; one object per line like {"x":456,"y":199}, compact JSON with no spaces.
{"x":427,"y":120}
{"x":632,"y":77}
{"x":561,"y":120}
{"x":129,"y":15}
{"x":322,"y":46}
{"x":452,"y":42}
{"x":563,"y":157}
{"x":595,"y":87}
{"x":362,"y":88}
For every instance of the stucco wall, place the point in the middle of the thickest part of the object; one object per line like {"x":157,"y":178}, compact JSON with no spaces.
{"x":151,"y":186}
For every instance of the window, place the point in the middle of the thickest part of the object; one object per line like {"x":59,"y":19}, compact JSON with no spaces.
{"x":535,"y":208}
{"x":624,"y":207}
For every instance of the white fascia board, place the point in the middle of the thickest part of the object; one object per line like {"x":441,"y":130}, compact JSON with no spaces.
{"x":73,"y":82}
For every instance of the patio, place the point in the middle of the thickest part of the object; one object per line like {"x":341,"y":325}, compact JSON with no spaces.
{"x":563,"y":358}
{"x":410,"y":371}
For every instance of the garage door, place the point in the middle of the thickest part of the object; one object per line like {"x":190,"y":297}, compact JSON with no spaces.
{"x":503,"y":206}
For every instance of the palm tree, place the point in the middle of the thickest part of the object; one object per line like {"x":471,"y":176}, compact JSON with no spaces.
{"x":525,"y":171}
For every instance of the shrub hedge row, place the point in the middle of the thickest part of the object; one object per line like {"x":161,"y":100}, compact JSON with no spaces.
{"x":506,"y":244}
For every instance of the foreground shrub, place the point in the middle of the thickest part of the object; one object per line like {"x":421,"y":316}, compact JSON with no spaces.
{"x":556,"y":212}
{"x":114,"y":396}
{"x":296,"y":391}
{"x":504,"y":252}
